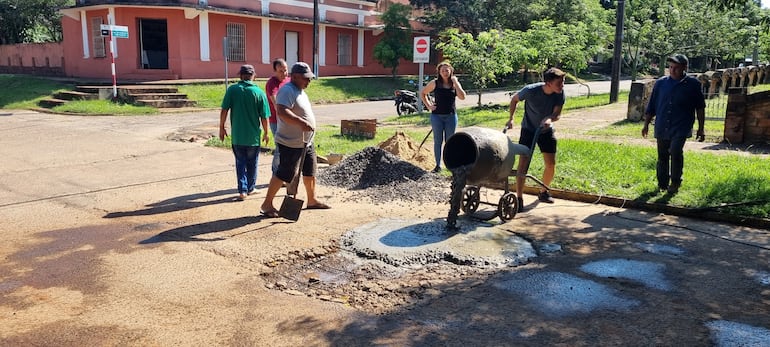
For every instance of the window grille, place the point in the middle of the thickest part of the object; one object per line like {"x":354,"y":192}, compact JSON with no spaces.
{"x":236,"y":42}
{"x":96,"y":37}
{"x":345,"y":50}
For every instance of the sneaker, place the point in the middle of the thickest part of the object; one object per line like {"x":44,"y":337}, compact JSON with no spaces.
{"x":242,"y":196}
{"x":520,"y":204}
{"x":545,"y":197}
{"x":673,"y":188}
{"x":663,"y":188}
{"x":436,"y":169}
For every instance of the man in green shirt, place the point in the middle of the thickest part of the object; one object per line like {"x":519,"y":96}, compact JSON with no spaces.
{"x":249,"y":111}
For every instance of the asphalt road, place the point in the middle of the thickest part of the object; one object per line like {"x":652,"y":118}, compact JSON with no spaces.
{"x":332,"y":114}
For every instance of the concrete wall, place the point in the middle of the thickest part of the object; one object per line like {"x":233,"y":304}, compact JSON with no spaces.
{"x":43,"y":59}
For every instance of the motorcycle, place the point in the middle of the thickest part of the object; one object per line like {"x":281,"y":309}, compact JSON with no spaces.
{"x":406,"y":102}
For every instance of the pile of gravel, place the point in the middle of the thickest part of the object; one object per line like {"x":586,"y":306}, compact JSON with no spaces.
{"x":381,"y":176}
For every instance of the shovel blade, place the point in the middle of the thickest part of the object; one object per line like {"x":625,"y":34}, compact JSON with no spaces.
{"x":290,"y":208}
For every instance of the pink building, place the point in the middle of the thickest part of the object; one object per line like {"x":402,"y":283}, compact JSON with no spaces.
{"x":185,"y":39}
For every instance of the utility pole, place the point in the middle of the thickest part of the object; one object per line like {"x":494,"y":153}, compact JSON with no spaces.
{"x":617,"y":59}
{"x":315,"y":37}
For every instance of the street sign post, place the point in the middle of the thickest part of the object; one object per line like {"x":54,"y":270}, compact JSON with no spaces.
{"x":114,"y":31}
{"x":421,"y":54}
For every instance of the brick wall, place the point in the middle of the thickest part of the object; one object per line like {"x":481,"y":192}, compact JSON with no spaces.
{"x":748,"y":117}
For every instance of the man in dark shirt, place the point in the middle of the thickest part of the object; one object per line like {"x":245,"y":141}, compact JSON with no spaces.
{"x":543,"y":102}
{"x":675,"y":101}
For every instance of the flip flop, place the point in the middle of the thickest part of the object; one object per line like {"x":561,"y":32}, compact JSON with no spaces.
{"x":318,"y":206}
{"x":269,"y":214}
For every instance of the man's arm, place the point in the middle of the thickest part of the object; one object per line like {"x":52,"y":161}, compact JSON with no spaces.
{"x":290,"y":117}
{"x":512,"y":110}
{"x":646,"y":128}
{"x":222,"y":119}
{"x":554,"y":117}
{"x":700,"y":114}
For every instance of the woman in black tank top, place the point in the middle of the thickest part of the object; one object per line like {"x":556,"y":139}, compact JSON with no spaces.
{"x":443,"y":116}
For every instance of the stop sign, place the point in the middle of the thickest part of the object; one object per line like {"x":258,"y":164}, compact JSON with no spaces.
{"x":421,"y":52}
{"x":421,"y":45}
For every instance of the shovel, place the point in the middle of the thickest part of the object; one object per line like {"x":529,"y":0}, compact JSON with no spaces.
{"x":422,"y":143}
{"x":291,"y":206}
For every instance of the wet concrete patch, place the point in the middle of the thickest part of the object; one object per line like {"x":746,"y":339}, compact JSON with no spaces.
{"x":561,"y":294}
{"x":726,"y":333}
{"x":647,"y":273}
{"x":401,"y":242}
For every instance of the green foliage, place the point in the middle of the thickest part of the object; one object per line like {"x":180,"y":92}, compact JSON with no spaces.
{"x":396,"y":40}
{"x":104,"y":107}
{"x":25,"y":21}
{"x":493,"y":53}
{"x":20,"y":92}
{"x":471,"y":16}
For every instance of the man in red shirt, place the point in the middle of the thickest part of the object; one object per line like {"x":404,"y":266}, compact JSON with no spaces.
{"x":279,"y":78}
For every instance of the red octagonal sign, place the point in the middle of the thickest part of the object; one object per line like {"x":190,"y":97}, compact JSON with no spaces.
{"x":421,"y":46}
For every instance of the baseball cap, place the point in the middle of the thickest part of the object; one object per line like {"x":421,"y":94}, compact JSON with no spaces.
{"x":302,"y":68}
{"x":247,"y":69}
{"x":679,"y":59}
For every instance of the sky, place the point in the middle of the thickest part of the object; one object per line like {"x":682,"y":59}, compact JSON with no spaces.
{"x":765,"y":3}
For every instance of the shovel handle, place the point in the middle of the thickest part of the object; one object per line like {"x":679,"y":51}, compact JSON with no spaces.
{"x":293,"y":186}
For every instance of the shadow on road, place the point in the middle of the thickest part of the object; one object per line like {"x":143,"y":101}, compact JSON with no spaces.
{"x":182,"y":203}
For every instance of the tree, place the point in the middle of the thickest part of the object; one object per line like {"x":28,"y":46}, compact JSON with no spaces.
{"x":471,"y":16}
{"x":491,"y":54}
{"x":396,"y":40}
{"x":31,"y":20}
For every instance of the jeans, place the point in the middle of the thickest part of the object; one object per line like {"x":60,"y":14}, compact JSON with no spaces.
{"x":273,"y":130}
{"x":670,"y":161}
{"x":246,"y":158}
{"x":443,"y":126}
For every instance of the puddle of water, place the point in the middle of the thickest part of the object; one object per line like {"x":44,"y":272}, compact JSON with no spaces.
{"x":648,"y":273}
{"x":659,"y":249}
{"x":763,"y":278}
{"x":560,"y":294}
{"x":726,"y":333}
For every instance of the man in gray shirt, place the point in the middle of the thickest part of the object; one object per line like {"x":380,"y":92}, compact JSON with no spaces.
{"x":542,"y":106}
{"x":296,"y":129}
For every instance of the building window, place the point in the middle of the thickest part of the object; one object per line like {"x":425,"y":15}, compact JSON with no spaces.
{"x":96,"y":37}
{"x":345,"y":49}
{"x":236,"y":42}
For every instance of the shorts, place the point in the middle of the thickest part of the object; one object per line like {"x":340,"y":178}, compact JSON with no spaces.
{"x":546,"y":141}
{"x":288,"y":160}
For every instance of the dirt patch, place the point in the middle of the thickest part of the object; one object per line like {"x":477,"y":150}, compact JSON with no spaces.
{"x":404,"y":147}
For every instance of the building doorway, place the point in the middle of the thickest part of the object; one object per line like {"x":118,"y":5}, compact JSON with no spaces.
{"x":292,"y":47}
{"x":153,"y":43}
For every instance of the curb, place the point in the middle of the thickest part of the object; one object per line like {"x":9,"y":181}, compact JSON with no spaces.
{"x":699,"y":213}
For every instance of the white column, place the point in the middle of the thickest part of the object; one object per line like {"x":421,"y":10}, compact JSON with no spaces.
{"x":111,"y":21}
{"x":203,"y":29}
{"x":265,"y":41}
{"x":322,"y":45}
{"x":84,"y":32}
{"x":360,"y":50}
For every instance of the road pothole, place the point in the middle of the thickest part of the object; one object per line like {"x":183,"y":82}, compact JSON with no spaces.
{"x":390,"y":263}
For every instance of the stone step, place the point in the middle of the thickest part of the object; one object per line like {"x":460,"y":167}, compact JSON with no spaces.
{"x":75,"y":95}
{"x":156,"y":96}
{"x":51,"y":103}
{"x":167,"y":103}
